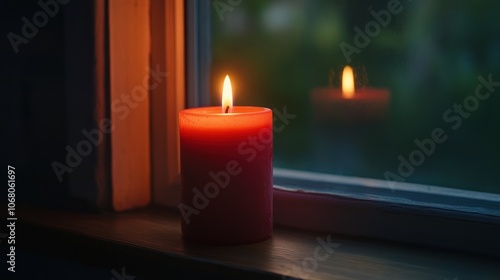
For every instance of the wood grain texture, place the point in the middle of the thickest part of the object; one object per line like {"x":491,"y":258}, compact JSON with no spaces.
{"x":129,"y":50}
{"x":167,"y":96}
{"x":176,"y":92}
{"x":102,"y":105}
{"x":156,"y":233}
{"x":87,"y":102}
{"x":159,"y":176}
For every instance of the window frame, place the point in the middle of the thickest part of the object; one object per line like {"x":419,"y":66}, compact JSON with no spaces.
{"x":413,"y":214}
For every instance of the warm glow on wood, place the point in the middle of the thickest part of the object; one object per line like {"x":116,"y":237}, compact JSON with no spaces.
{"x":227,"y":96}
{"x":348,"y":82}
{"x":129,"y":48}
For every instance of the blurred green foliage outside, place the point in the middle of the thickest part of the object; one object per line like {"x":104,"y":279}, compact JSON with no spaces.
{"x":429,"y":55}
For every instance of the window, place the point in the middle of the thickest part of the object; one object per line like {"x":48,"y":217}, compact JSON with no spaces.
{"x":429,"y":61}
{"x":426,"y":73}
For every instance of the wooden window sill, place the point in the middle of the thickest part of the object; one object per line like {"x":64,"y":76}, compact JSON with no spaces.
{"x":147,"y":242}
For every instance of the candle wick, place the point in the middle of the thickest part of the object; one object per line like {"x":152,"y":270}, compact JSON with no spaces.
{"x":227,"y":109}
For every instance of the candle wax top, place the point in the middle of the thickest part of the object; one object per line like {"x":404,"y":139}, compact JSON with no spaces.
{"x":213,"y":119}
{"x":217,"y":110}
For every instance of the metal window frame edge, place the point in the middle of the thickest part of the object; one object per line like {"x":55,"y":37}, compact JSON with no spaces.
{"x":421,"y":215}
{"x":198,"y":53}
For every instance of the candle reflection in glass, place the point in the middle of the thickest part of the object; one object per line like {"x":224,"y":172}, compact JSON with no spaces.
{"x":349,"y":104}
{"x":346,"y":120}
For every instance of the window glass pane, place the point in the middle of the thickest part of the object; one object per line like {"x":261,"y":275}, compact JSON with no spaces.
{"x":427,"y":78}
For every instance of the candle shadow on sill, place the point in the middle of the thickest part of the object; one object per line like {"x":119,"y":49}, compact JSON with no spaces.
{"x":258,"y":253}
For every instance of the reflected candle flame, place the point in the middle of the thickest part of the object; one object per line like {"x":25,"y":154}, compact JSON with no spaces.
{"x":348,"y":82}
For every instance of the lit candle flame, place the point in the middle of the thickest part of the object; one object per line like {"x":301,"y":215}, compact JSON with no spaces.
{"x":227,"y":96}
{"x":348,"y":82}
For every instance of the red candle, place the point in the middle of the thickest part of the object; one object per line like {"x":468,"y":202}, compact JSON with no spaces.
{"x":226,"y":173}
{"x":349,"y":105}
